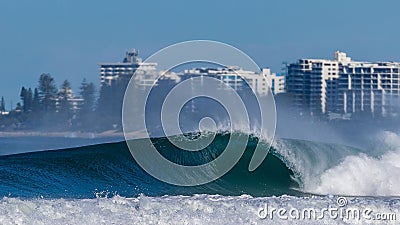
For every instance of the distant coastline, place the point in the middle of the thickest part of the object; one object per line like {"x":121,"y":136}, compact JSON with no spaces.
{"x":66,"y":134}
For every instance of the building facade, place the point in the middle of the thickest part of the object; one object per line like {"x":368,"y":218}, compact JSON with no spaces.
{"x":343,"y":87}
{"x":110,"y":73}
{"x":146,"y":75}
{"x":74,"y":102}
{"x":276,"y":81}
{"x":235,"y":77}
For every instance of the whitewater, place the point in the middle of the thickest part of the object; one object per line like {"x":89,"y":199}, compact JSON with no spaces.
{"x":197,"y":209}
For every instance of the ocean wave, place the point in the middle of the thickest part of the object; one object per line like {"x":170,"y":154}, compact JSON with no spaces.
{"x":293,"y":167}
{"x":80,"y":172}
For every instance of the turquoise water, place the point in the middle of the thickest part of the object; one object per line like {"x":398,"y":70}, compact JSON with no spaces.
{"x":109,"y":168}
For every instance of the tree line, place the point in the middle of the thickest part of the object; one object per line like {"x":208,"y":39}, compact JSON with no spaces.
{"x":49,"y":108}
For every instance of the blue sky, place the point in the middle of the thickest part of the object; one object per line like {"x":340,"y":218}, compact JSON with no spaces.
{"x":68,"y":38}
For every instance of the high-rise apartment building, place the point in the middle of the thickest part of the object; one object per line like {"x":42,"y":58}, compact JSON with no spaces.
{"x":113,"y":72}
{"x":146,"y":74}
{"x":234,"y":77}
{"x":343,"y":86}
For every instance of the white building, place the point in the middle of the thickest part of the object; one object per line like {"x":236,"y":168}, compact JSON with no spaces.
{"x":75,"y":102}
{"x":277,"y":82}
{"x":113,"y":72}
{"x":234,"y":77}
{"x":343,"y":86}
{"x":146,"y":75}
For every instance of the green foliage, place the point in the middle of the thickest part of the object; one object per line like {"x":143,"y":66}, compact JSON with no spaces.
{"x":64,"y":105}
{"x":109,"y":105}
{"x":27,"y":99}
{"x":47,"y":108}
{"x":88,"y":93}
{"x":2,"y":105}
{"x":47,"y":92}
{"x":86,"y":118}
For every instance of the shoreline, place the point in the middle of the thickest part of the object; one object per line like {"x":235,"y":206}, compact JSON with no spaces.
{"x":65,"y":134}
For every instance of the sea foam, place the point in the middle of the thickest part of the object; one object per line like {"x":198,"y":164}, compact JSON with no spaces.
{"x":366,"y":175}
{"x":197,"y":209}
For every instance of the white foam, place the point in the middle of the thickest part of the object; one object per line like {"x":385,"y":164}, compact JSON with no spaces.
{"x":309,"y":160}
{"x":364,"y":174}
{"x":198,"y":209}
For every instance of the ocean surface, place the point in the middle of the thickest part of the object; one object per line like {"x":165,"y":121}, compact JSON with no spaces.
{"x":101,"y":183}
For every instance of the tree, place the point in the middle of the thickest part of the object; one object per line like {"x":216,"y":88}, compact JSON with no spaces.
{"x":23,"y":92}
{"x":109,"y":104}
{"x":63,"y":99}
{"x":86,"y":119}
{"x":47,"y":92}
{"x":2,"y":105}
{"x":18,"y":107}
{"x":87,"y":91}
{"x":103,"y":107}
{"x":27,"y":98}
{"x":36,"y":106}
